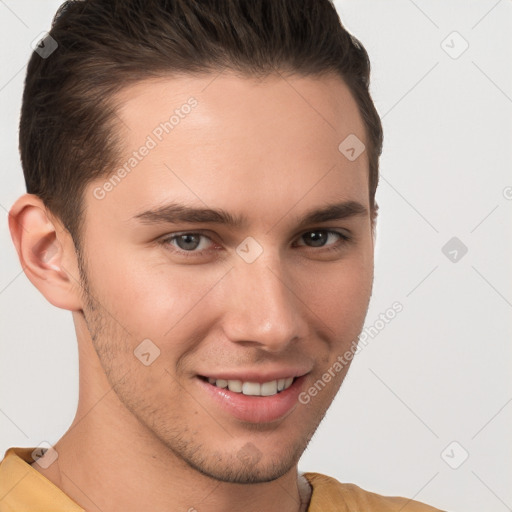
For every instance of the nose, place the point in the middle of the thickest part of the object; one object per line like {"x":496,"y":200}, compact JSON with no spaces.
{"x":262,"y":307}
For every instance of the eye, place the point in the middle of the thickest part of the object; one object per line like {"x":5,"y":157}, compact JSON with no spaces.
{"x":320,"y":237}
{"x":188,"y":242}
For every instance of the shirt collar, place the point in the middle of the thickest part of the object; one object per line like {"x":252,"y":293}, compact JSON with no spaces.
{"x":22,"y":487}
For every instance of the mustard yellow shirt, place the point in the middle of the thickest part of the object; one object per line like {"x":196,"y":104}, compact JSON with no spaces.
{"x":24,"y":489}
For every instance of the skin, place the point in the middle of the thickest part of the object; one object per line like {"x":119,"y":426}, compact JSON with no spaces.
{"x":148,"y":437}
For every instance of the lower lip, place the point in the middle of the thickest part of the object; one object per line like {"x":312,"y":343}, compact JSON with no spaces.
{"x":255,"y":409}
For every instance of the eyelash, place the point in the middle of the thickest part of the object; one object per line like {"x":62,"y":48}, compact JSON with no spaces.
{"x":344,"y":239}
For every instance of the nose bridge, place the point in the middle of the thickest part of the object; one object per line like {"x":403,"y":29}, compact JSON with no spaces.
{"x":263,"y":308}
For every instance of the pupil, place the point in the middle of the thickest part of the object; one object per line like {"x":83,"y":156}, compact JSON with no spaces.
{"x":318,"y":238}
{"x":188,"y":242}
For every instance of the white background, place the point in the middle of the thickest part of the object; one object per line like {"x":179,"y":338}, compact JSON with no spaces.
{"x":435,"y":374}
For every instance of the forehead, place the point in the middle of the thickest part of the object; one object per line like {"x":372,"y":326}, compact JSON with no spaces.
{"x":236,"y":143}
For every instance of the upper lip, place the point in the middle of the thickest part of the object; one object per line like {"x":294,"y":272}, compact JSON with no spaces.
{"x":256,"y":376}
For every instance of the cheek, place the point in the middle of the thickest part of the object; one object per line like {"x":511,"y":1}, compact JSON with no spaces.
{"x":155,"y":301}
{"x":339,"y":294}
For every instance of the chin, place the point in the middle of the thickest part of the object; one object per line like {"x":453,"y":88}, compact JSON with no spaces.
{"x":242,"y":473}
{"x":247,"y":465}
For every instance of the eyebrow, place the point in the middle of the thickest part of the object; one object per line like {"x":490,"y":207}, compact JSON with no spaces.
{"x":175,"y":213}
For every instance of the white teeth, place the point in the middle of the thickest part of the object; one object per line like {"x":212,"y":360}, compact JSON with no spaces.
{"x":234,"y":385}
{"x":221,"y":383}
{"x":269,"y":388}
{"x":253,"y":388}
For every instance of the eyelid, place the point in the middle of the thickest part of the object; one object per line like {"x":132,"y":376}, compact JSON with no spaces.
{"x":338,"y":231}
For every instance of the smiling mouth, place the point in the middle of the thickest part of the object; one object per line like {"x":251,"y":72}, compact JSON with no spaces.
{"x":248,"y":388}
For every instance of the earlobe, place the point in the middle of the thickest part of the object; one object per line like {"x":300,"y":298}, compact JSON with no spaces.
{"x":46,"y":252}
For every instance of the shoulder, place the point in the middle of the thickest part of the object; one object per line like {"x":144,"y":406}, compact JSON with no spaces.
{"x":329,"y":495}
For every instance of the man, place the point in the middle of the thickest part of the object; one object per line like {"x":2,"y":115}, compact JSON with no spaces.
{"x":201,"y":185}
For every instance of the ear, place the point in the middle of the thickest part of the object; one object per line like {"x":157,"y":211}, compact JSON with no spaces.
{"x":46,"y":252}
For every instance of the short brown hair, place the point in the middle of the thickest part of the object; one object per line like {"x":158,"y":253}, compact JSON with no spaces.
{"x":67,"y":127}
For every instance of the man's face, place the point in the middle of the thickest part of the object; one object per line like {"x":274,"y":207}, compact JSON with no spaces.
{"x":267,"y":299}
